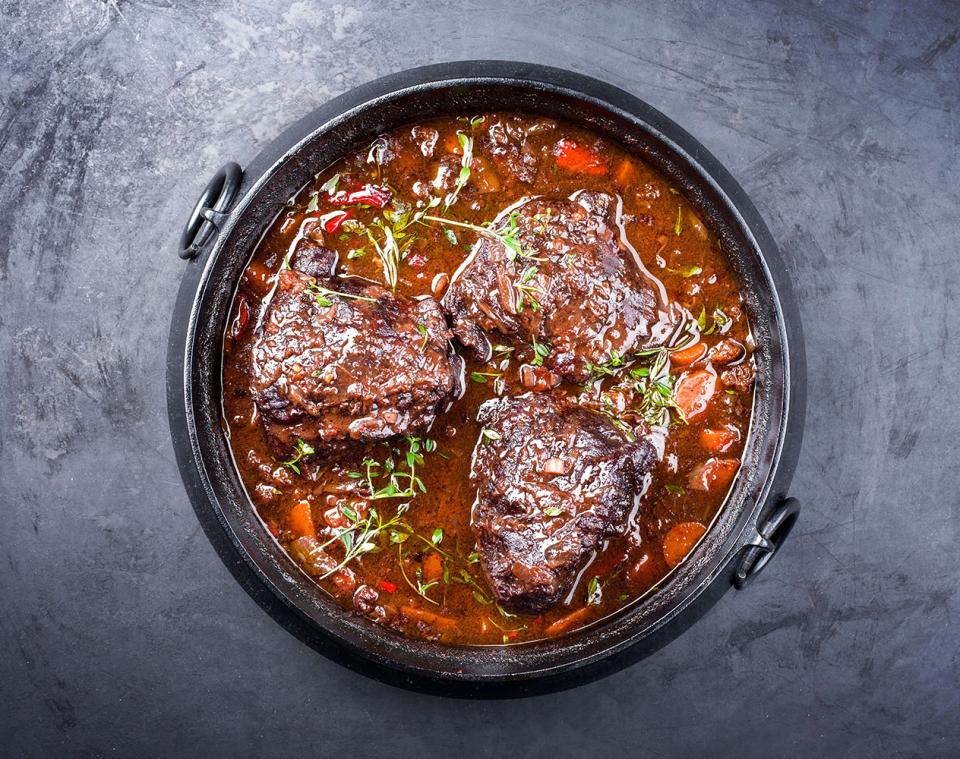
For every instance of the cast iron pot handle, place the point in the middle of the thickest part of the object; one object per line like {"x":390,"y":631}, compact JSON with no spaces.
{"x":771,"y":532}
{"x":206,"y":217}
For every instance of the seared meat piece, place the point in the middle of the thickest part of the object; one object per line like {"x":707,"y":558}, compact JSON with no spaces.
{"x":739,"y":377}
{"x":508,"y":147}
{"x":553,"y":481}
{"x":575,"y":287}
{"x":341,"y":359}
{"x":314,"y":260}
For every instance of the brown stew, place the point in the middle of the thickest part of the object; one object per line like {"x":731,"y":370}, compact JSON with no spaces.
{"x":330,"y":324}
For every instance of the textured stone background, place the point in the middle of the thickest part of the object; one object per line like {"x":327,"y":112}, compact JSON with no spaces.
{"x":121,"y":633}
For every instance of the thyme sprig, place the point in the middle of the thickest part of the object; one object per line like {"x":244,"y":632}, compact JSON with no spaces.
{"x":507,"y":235}
{"x":526,"y":292}
{"x":361,"y":534}
{"x":301,"y":449}
{"x":322,"y":295}
{"x":400,"y":483}
{"x":466,"y":162}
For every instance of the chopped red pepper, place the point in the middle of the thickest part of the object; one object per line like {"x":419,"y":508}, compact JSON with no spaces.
{"x":239,"y":324}
{"x":332,"y":221}
{"x":389,"y":587}
{"x":368,"y":195}
{"x":573,"y":156}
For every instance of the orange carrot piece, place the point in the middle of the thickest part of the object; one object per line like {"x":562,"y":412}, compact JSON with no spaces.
{"x":714,"y":474}
{"x":694,"y":391}
{"x":688,"y":355}
{"x":443,"y":624}
{"x":719,"y":440}
{"x":432,"y":567}
{"x":573,"y":619}
{"x":679,"y":540}
{"x":578,"y":158}
{"x":625,"y":174}
{"x":300,"y":520}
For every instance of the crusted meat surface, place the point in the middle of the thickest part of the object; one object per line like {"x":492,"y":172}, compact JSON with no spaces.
{"x":574,"y":286}
{"x":553,"y":481}
{"x":340,"y":359}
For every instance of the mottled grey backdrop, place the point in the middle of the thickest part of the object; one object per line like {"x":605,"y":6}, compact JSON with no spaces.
{"x":122,"y":634}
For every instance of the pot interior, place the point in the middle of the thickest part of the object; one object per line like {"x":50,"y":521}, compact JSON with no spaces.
{"x":358,"y":118}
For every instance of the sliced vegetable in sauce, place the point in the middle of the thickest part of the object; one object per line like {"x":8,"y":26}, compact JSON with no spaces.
{"x":680,"y":539}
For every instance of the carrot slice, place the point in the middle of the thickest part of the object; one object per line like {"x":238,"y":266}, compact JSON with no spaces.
{"x":574,"y":619}
{"x":679,"y":540}
{"x":443,"y":624}
{"x":300,"y":520}
{"x":694,"y":391}
{"x":688,"y":355}
{"x":578,"y":158}
{"x":625,"y":174}
{"x":714,"y":474}
{"x":719,"y":440}
{"x":432,"y":567}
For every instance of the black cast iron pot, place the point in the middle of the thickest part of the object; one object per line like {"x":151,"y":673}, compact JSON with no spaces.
{"x":236,"y":208}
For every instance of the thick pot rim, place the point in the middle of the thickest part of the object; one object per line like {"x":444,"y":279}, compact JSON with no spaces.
{"x":456,"y":670}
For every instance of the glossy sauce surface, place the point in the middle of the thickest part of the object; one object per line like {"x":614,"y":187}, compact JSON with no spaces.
{"x":418,"y":572}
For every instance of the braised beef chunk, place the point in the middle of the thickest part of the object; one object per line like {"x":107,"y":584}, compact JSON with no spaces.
{"x":559,"y":274}
{"x":315,"y":260}
{"x":341,"y":359}
{"x":553,"y":481}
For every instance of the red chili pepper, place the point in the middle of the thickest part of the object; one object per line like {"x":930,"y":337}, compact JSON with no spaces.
{"x":389,"y":587}
{"x":241,"y":320}
{"x":334,"y":221}
{"x":368,"y":195}
{"x":573,"y":156}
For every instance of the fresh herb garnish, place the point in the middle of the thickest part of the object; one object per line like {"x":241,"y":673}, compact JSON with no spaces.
{"x":507,"y":235}
{"x":359,"y":536}
{"x":525,"y":291}
{"x":540,"y":352}
{"x":302,"y":449}
{"x":594,"y":592}
{"x":397,"y":239}
{"x":322,"y":295}
{"x":688,"y":271}
{"x":330,"y":186}
{"x":609,"y":368}
{"x":374,"y":470}
{"x":721,"y":322}
{"x":678,"y":226}
{"x":481,"y":377}
{"x":653,"y":383}
{"x":426,"y":336}
{"x":487,"y":435}
{"x":466,"y":161}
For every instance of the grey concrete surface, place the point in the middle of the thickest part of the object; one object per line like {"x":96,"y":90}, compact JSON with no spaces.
{"x":122,"y":634}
